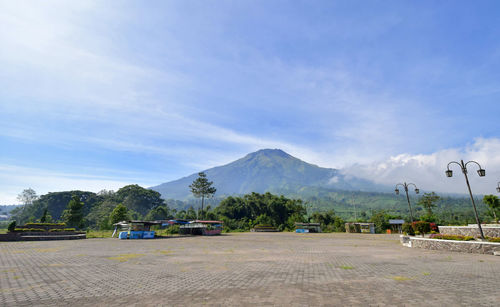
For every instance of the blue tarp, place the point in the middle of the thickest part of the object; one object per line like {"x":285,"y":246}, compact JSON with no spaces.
{"x":123,"y":235}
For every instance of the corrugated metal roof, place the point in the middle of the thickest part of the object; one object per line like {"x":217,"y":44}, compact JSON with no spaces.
{"x":392,"y":222}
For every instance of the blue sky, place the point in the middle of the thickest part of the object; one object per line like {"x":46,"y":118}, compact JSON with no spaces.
{"x":98,"y":94}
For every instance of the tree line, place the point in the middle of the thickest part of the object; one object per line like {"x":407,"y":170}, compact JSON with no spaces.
{"x":88,"y":210}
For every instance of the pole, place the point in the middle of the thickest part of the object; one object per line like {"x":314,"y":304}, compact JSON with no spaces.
{"x":408,"y":199}
{"x":354,"y":204}
{"x":464,"y":170}
{"x":202,"y":199}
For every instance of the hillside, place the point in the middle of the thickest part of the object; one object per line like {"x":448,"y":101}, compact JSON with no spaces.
{"x":266,"y":170}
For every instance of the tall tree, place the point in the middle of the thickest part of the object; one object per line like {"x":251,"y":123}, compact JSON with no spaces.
{"x":202,"y":188}
{"x":27,"y":196}
{"x":73,"y":215}
{"x":428,"y":201}
{"x":494,"y":203}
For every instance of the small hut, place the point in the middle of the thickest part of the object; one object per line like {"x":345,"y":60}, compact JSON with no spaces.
{"x":360,"y":227}
{"x":264,"y":228}
{"x":135,"y":229}
{"x":396,"y":226}
{"x":204,"y":228}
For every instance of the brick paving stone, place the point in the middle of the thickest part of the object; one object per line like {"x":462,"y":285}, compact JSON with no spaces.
{"x":247,"y":269}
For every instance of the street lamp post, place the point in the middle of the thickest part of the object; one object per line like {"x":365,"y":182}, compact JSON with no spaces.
{"x":498,"y":187}
{"x":405,"y":186}
{"x":481,"y":172}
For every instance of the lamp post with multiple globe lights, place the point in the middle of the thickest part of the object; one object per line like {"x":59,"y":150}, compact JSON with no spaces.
{"x":405,"y":186}
{"x":481,"y":172}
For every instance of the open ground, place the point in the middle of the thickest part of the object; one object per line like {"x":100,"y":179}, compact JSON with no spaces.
{"x":244,"y":269}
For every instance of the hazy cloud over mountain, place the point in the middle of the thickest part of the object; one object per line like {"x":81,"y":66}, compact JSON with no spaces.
{"x":427,"y":170}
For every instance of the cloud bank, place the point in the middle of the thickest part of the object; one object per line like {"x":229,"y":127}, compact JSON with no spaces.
{"x":427,"y":171}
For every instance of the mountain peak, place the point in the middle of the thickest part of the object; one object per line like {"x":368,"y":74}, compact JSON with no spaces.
{"x":270,"y":152}
{"x":261,"y":171}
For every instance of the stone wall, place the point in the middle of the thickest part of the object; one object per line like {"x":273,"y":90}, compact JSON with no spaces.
{"x":473,"y":231}
{"x":475,"y":247}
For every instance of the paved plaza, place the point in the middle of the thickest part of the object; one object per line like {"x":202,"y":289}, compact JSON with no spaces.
{"x":257,"y":269}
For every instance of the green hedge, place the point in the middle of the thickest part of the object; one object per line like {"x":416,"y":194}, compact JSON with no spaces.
{"x":451,"y":237}
{"x":493,"y":239}
{"x":45,"y":224}
{"x":42,"y":230}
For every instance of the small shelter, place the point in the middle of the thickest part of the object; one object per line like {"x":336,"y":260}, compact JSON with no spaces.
{"x":360,"y":227}
{"x":396,"y":225}
{"x":135,"y":229}
{"x":307,"y":227}
{"x":204,"y":228}
{"x":264,"y":228}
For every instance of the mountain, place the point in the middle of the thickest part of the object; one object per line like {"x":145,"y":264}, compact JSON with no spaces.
{"x":266,"y":170}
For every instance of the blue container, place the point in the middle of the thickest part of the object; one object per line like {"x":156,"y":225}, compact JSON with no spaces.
{"x":136,"y":234}
{"x":301,"y":230}
{"x":123,"y":235}
{"x":148,"y":235}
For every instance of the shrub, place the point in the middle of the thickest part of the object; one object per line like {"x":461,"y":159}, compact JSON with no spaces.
{"x":69,"y":229}
{"x":12,"y":226}
{"x":408,"y":229}
{"x":422,"y":227}
{"x":451,"y":237}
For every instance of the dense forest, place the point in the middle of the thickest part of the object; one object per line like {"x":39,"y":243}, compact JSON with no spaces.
{"x":332,"y":208}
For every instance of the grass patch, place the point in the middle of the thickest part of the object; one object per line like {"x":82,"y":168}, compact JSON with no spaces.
{"x":401,"y":278}
{"x":346,"y":267}
{"x":99,"y":234}
{"x":125,"y":257}
{"x":47,"y":250}
{"x":163,"y":252}
{"x":426,"y":273}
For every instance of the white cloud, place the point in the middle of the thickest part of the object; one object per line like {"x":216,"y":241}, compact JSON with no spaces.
{"x":427,"y":171}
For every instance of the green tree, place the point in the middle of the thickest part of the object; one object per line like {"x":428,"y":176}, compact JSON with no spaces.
{"x":159,"y":213}
{"x":202,"y":188}
{"x":137,"y":198}
{"x":381,"y":220}
{"x":190,"y":214}
{"x":428,"y":201}
{"x":73,"y":215}
{"x":494,"y":203}
{"x":46,"y":217}
{"x":120,"y":213}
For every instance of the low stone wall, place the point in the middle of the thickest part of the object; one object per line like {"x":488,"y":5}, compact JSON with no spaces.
{"x":473,"y":231}
{"x":475,"y":247}
{"x":42,"y":236}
